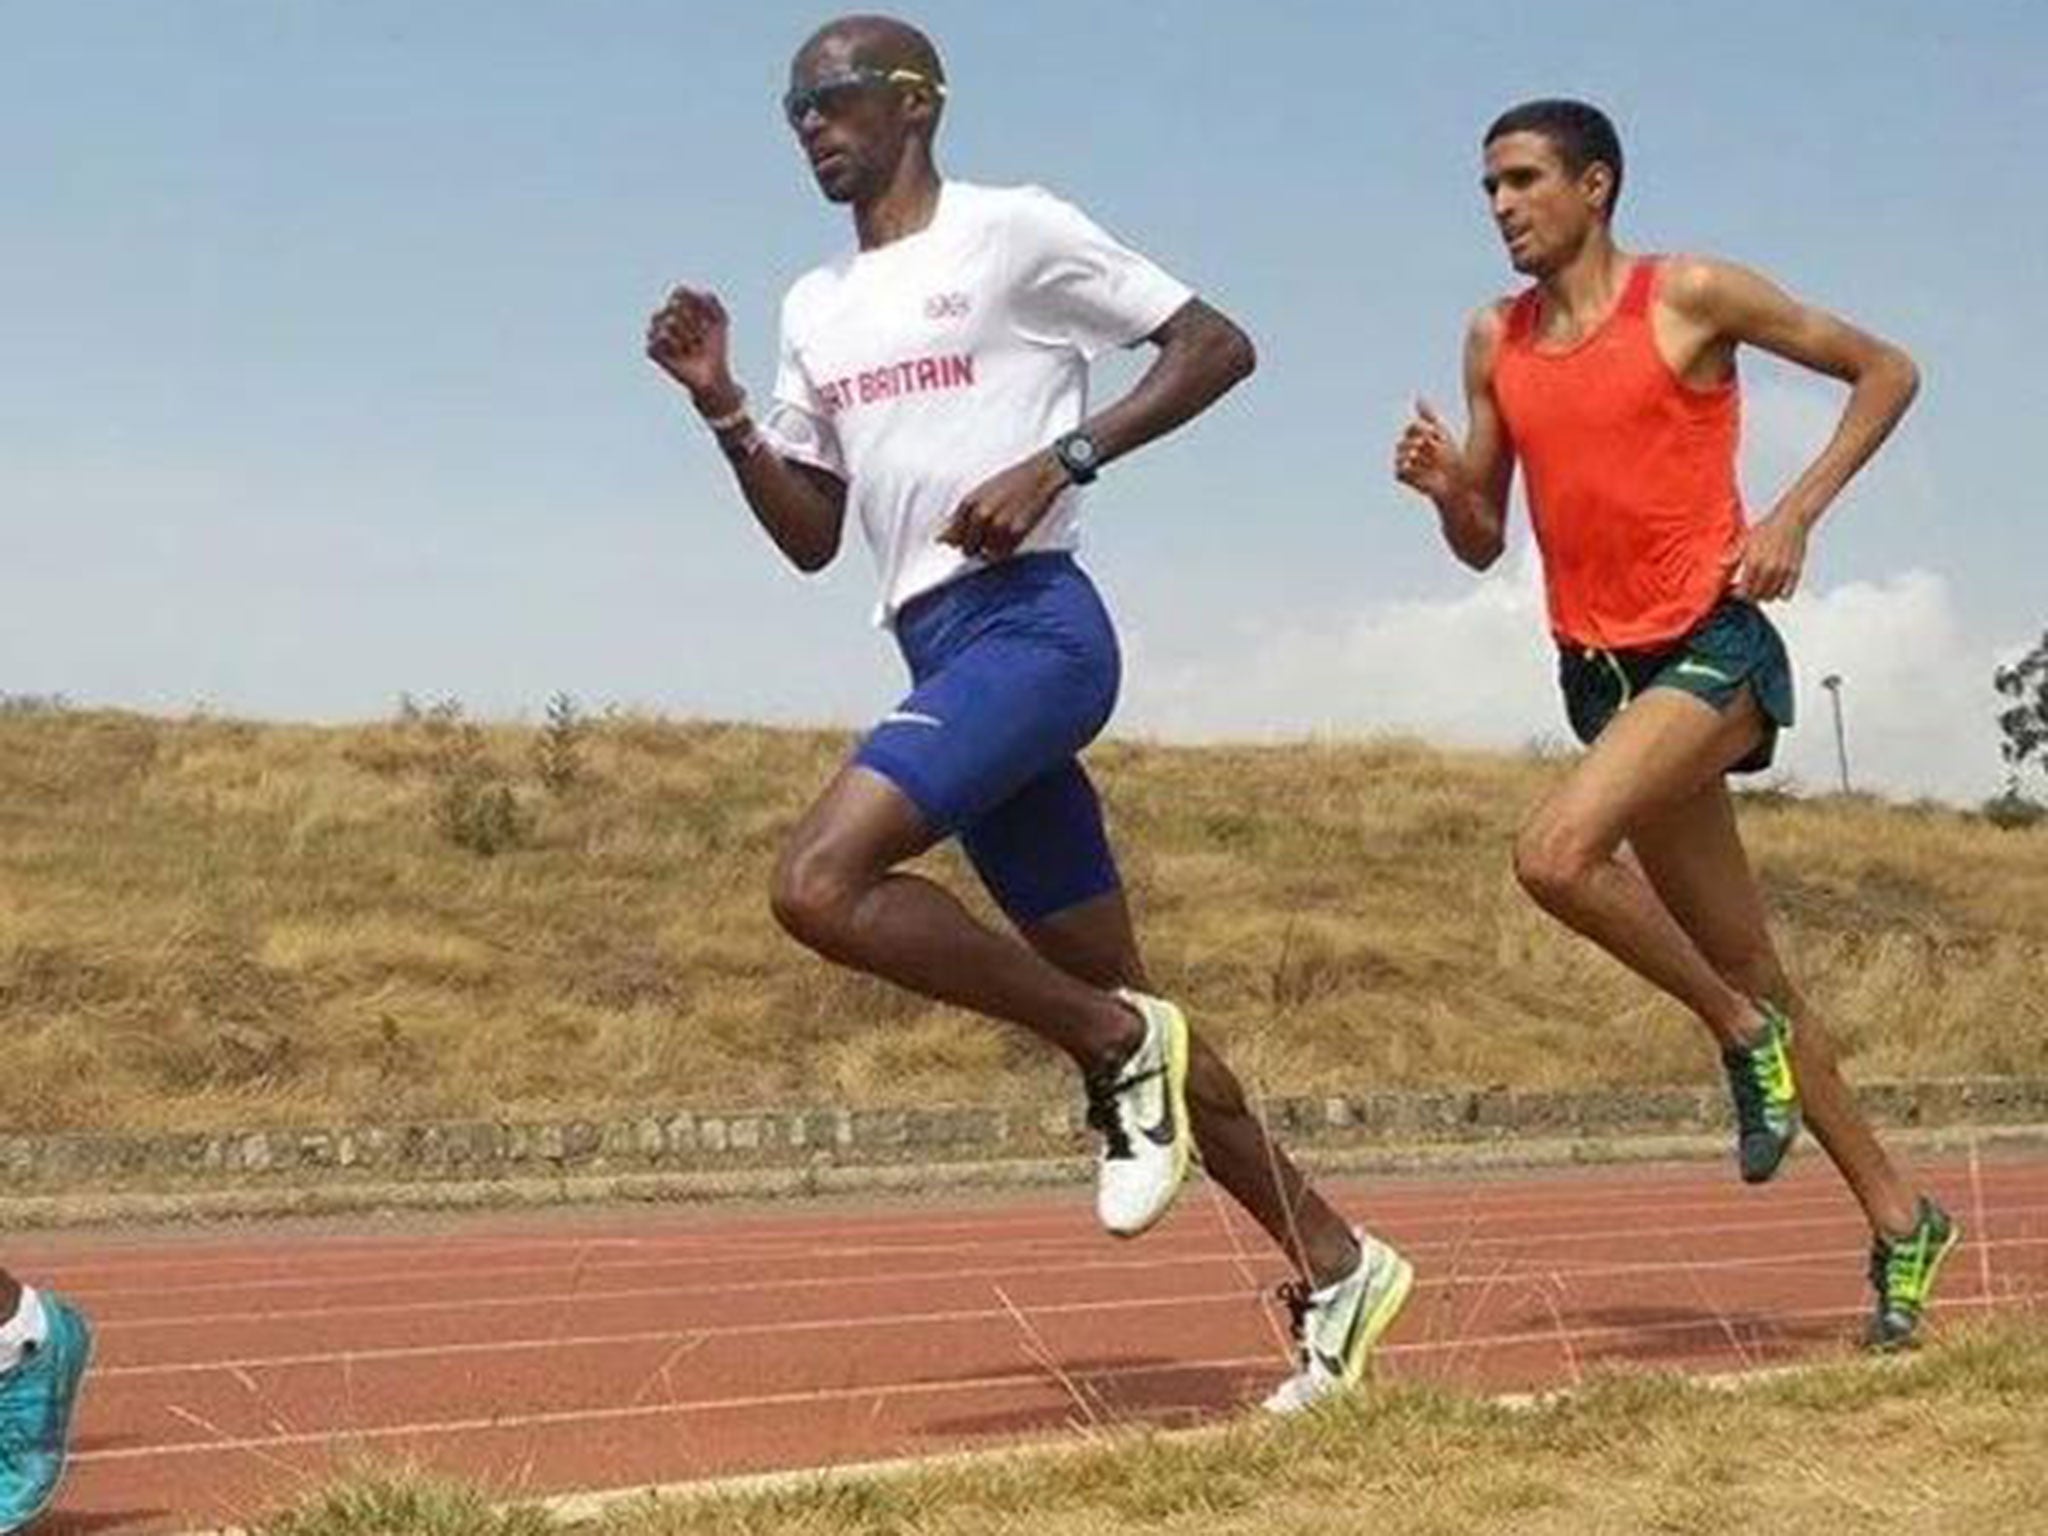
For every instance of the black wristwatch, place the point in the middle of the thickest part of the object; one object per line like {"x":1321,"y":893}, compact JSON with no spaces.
{"x":1078,"y":456}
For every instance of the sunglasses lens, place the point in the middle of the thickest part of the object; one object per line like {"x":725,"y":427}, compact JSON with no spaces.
{"x":828,"y":98}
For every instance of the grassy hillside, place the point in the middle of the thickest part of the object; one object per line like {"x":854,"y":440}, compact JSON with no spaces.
{"x":205,"y":921}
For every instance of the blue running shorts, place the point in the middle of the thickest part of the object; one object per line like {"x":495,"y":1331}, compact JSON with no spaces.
{"x":1014,"y":669}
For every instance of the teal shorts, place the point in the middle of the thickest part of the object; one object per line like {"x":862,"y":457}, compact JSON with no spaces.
{"x":1734,"y":648}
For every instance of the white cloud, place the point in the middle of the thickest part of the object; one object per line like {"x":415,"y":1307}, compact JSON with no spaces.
{"x":1918,"y":709}
{"x":1478,"y":670}
{"x":1472,"y":670}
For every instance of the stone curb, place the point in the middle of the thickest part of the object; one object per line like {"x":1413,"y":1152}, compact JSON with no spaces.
{"x":336,"y":1197}
{"x":794,"y":1149}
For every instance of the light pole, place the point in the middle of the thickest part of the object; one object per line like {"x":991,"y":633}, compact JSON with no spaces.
{"x":1833,"y":683}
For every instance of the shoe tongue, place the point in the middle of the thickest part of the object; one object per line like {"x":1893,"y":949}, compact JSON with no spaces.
{"x":1329,"y":1292}
{"x":1142,"y":1052}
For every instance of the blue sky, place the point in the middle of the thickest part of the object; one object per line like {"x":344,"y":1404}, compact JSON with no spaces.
{"x":323,"y":324}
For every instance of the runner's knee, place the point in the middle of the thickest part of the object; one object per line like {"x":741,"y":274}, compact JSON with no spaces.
{"x":813,"y":895}
{"x":1552,"y":859}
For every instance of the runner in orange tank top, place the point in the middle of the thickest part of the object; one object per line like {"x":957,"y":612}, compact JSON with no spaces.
{"x":1612,"y":382}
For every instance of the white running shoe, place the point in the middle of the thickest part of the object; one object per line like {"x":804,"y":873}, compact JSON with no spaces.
{"x":1140,"y":1108}
{"x":1338,"y":1325}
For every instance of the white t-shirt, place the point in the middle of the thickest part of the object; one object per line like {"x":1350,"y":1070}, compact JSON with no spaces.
{"x":916,"y":370}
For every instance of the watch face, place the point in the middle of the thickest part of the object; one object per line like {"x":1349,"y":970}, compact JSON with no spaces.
{"x":1079,"y":451}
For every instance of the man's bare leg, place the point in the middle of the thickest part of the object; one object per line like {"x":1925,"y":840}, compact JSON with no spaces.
{"x":1658,"y":752}
{"x":838,"y":891}
{"x":1692,"y":854}
{"x":1096,"y":943}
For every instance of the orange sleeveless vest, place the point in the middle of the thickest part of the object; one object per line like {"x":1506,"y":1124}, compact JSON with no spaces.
{"x":1630,"y":474}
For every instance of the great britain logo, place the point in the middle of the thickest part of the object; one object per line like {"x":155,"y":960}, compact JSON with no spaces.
{"x":915,"y":376}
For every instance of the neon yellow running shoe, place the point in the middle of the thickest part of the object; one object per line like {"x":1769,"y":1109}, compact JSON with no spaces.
{"x":1902,"y":1272}
{"x":1766,"y":1096}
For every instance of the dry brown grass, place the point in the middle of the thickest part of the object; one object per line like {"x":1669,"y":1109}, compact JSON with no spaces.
{"x":1953,"y":1443}
{"x":204,"y":922}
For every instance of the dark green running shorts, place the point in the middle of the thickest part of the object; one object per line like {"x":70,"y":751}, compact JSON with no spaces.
{"x":1735,"y":647}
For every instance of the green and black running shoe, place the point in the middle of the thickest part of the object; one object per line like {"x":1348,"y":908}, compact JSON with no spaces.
{"x":1766,"y":1096}
{"x":1902,"y":1271}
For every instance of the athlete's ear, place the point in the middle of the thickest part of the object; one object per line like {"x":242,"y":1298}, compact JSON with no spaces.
{"x":1599,"y":184}
{"x":921,"y":104}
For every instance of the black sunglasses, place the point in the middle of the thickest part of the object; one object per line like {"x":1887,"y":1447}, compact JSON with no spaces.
{"x":832,"y":95}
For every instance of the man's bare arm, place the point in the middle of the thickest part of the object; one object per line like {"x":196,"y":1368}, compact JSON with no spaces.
{"x":1469,"y":485}
{"x":801,"y":508}
{"x":1737,"y":306}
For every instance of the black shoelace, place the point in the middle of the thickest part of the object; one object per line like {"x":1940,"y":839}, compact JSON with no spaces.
{"x":1297,"y":1296}
{"x":1103,"y":1087}
{"x":1748,"y":1092}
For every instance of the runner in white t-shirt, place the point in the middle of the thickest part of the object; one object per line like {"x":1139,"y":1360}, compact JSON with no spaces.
{"x":934,"y":382}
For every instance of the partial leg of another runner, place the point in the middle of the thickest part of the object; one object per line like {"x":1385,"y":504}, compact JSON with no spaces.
{"x":44,"y":1347}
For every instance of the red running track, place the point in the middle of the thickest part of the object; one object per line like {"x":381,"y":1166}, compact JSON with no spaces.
{"x":541,"y":1354}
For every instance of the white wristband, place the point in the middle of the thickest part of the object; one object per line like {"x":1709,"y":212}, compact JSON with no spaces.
{"x":731,"y":418}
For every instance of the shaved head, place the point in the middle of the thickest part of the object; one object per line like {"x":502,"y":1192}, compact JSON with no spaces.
{"x":865,"y":97}
{"x":882,"y":42}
